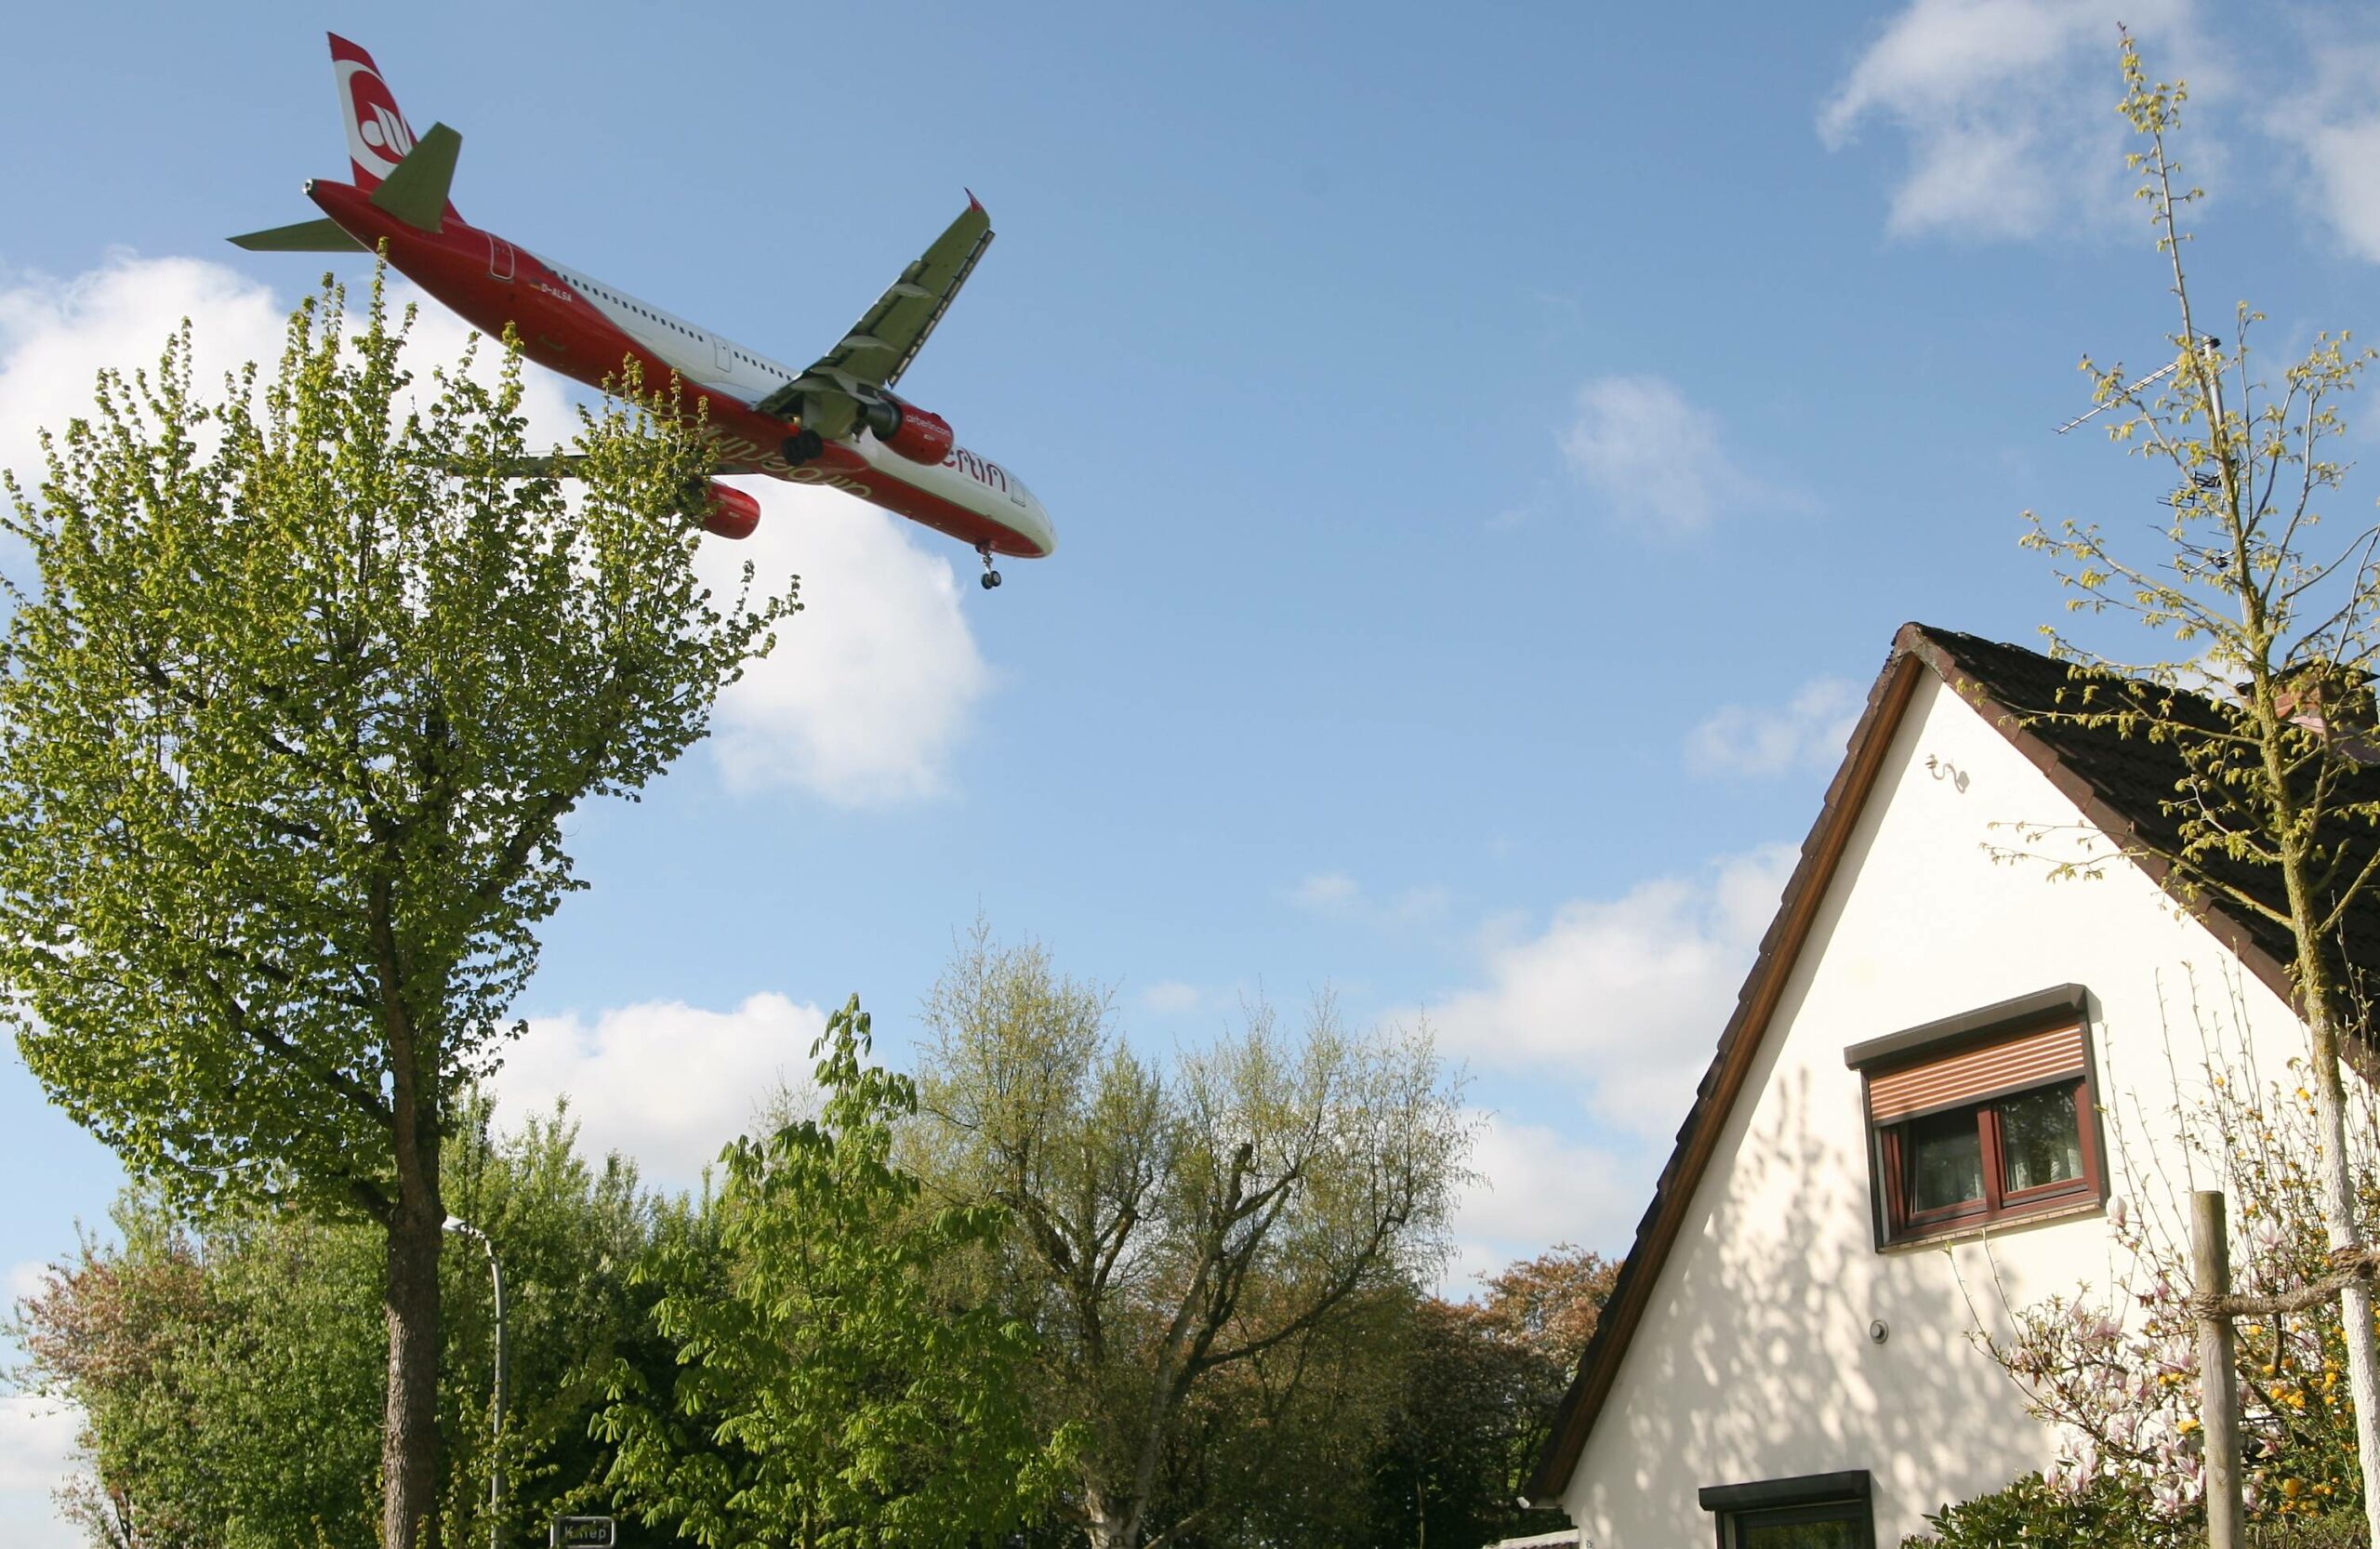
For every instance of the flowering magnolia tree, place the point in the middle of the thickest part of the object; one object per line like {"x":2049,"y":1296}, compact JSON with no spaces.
{"x":2116,"y":1370}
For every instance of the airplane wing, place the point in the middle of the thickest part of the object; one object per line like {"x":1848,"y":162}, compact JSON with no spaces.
{"x":888,"y":336}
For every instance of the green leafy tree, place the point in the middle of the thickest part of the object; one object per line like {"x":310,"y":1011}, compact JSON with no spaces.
{"x":1481,"y":1382}
{"x":289,"y":723}
{"x":2276,"y":812}
{"x":1217,"y":1257}
{"x":228,"y":1372}
{"x":830,"y":1394}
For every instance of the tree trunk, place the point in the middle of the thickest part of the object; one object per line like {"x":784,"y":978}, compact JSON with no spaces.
{"x":2345,"y":1234}
{"x":1105,"y":1525}
{"x":409,"y":1440}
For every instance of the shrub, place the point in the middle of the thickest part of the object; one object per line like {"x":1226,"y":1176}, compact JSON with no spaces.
{"x":2102,"y":1514}
{"x":2339,"y":1531}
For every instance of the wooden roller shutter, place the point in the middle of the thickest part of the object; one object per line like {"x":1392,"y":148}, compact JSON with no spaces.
{"x":1955,"y":1081}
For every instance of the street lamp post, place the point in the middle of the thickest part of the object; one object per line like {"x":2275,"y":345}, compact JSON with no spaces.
{"x":495,"y":1455}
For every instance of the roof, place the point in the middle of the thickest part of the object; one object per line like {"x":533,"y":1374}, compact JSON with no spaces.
{"x":2121,"y":784}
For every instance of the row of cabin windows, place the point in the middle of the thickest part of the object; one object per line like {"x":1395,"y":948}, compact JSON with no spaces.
{"x":640,"y":312}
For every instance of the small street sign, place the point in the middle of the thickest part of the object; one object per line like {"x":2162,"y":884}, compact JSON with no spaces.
{"x":582,"y":1532}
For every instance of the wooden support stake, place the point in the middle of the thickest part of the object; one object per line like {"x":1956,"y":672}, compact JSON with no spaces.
{"x":2218,"y":1378}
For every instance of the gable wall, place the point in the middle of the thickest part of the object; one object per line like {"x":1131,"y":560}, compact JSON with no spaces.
{"x":1754,"y":1359}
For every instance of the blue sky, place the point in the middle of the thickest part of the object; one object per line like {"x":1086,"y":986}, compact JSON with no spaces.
{"x":1491,"y":457}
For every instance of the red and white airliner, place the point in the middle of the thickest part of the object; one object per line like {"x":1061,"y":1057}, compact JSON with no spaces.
{"x":837,"y":423}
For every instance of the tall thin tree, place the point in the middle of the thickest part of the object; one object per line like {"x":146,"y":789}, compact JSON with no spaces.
{"x":2277,"y":814}
{"x":306,"y":680}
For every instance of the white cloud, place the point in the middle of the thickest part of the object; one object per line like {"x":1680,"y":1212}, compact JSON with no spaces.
{"x":663,"y":1083}
{"x":1172,"y":998}
{"x":2333,"y":122}
{"x":1336,"y":893}
{"x":37,"y":1453}
{"x":56,"y":334}
{"x":1806,"y":732}
{"x":874,"y":683}
{"x":1622,"y":1000}
{"x":1325,"y":890}
{"x":1655,"y":458}
{"x":2005,"y":105}
{"x":1537,"y":1188}
{"x":25,"y":1279}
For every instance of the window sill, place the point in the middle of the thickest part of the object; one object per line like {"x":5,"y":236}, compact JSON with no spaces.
{"x":1967,"y":1231}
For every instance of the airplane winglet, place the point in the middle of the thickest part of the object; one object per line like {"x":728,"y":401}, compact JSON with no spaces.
{"x":973,"y":203}
{"x":415,"y":191}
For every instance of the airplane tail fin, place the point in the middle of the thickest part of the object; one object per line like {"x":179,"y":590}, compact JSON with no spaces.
{"x":377,"y":136}
{"x":416,"y":191}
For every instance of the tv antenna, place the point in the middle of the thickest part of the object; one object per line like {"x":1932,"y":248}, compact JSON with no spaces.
{"x":2126,"y":388}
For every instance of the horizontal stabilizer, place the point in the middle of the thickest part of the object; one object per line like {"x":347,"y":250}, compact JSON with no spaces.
{"x":307,"y":236}
{"x":416,"y":191}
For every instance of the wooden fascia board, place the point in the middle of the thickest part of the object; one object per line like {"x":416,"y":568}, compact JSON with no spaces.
{"x":1673,"y":1195}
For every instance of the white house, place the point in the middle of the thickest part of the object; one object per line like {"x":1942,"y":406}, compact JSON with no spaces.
{"x":1900,"y":1133}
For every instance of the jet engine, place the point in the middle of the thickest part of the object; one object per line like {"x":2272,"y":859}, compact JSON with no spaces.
{"x":728,"y":512}
{"x":910,"y":430}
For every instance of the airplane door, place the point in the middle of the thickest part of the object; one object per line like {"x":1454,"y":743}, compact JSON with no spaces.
{"x":499,"y":258}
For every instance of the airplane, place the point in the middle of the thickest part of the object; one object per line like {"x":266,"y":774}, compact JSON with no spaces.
{"x":837,"y":424}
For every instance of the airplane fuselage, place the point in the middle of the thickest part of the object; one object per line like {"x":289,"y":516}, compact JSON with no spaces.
{"x":585,"y":329}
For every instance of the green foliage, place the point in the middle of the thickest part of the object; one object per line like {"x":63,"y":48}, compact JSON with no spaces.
{"x":2341,"y":1531}
{"x":828,"y":1394}
{"x":2033,"y":1510}
{"x":2273,"y":804}
{"x":2273,"y":817}
{"x":1481,"y":1382}
{"x":1220,"y":1257}
{"x":287,"y":731}
{"x":228,"y":1374}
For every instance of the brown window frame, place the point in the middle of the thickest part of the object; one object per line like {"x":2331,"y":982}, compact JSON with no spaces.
{"x":1889,"y":1161}
{"x":1997,"y":1203}
{"x":1846,"y":1497}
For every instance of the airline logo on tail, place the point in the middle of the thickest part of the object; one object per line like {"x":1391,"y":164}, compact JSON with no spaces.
{"x":377,"y":136}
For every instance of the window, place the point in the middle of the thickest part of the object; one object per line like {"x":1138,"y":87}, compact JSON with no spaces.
{"x":1983,"y":1117}
{"x":1816,"y":1511}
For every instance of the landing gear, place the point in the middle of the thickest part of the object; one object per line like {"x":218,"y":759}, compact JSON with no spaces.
{"x":803,"y":447}
{"x":991,"y":576}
